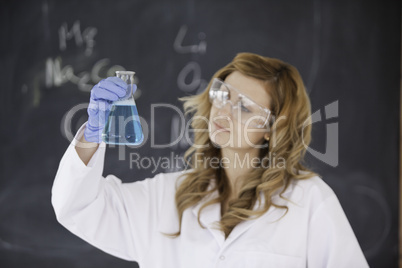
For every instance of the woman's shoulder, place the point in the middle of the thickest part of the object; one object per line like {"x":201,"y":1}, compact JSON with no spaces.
{"x":163,"y":182}
{"x":315,"y":185}
{"x":168,"y":177}
{"x":172,"y":175}
{"x":313,"y":190}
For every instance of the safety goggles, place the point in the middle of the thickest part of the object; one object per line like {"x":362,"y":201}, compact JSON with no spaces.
{"x":243,"y":109}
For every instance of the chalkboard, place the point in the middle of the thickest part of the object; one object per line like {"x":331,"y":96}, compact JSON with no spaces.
{"x":53,"y":52}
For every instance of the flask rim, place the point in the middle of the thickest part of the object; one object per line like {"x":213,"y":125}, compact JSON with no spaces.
{"x":125,"y":73}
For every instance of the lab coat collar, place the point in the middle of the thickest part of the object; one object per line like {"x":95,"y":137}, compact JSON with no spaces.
{"x":211,"y":214}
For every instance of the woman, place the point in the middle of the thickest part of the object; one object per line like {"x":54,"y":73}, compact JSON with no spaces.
{"x":247,"y":200}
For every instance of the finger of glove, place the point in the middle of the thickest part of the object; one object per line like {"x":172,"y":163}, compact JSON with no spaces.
{"x":116,"y":80}
{"x":105,"y":92}
{"x":116,"y":85}
{"x":110,"y":89}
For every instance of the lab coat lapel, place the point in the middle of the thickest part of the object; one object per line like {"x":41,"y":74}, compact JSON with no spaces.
{"x":273,"y":214}
{"x":245,"y":225}
{"x":211,"y":215}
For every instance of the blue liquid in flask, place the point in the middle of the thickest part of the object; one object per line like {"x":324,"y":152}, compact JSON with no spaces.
{"x":123,"y":126}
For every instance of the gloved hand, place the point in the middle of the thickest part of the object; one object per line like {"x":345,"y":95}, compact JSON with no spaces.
{"x":103,"y":95}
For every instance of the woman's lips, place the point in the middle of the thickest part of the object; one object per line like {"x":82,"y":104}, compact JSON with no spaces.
{"x":221,"y":127}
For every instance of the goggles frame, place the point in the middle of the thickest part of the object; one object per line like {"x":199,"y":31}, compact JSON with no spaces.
{"x":217,"y":94}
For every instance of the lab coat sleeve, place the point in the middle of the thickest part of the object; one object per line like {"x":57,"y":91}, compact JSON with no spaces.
{"x":118,"y":218}
{"x":331,"y":240}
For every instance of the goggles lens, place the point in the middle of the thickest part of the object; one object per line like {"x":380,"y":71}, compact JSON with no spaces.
{"x":243,"y":109}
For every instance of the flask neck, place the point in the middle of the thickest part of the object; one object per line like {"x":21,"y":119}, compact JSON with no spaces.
{"x":128,"y":77}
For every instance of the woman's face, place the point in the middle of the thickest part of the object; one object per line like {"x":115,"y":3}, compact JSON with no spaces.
{"x":224,"y":131}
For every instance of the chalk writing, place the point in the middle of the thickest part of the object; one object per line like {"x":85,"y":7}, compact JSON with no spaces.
{"x":194,"y":85}
{"x":56,"y":74}
{"x":179,"y":48}
{"x":81,"y":38}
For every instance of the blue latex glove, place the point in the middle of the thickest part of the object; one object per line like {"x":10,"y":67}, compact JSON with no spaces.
{"x":103,"y":95}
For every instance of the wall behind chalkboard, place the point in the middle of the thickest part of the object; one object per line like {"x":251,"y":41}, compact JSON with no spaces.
{"x":53,"y":52}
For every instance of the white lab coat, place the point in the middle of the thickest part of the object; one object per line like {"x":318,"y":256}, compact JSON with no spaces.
{"x":126,"y":220}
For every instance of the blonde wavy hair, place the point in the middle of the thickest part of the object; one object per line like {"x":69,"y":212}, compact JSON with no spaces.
{"x":289,"y":139}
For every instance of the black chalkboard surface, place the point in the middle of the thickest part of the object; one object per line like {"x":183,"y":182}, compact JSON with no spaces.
{"x":53,"y":52}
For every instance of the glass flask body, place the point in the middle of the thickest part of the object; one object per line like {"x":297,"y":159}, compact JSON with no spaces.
{"x":123,"y":126}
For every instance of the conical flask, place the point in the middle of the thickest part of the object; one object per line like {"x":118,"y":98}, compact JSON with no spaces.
{"x":123,"y":126}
